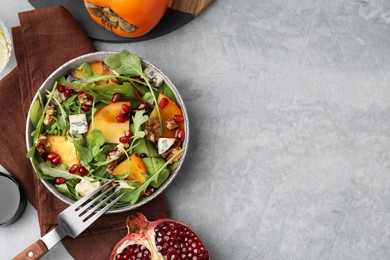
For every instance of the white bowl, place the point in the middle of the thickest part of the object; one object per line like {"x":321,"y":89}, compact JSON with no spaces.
{"x":71,"y":66}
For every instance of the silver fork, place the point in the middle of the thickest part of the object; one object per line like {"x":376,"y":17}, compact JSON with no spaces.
{"x":72,"y":221}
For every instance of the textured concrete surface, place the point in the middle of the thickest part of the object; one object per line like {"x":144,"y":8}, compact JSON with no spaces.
{"x":290,"y":129}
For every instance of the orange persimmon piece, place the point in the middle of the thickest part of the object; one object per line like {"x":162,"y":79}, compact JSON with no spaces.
{"x":168,"y":112}
{"x":135,"y":166}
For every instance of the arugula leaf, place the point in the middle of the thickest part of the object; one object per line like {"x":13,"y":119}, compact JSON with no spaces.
{"x":153,"y":161}
{"x":162,"y":177}
{"x":167,"y":91}
{"x":126,"y":89}
{"x":31,"y":152}
{"x":35,"y":113}
{"x":68,"y":104}
{"x":62,"y":117}
{"x":125,"y":63}
{"x":83,"y":152}
{"x":68,"y":191}
{"x":87,"y":69}
{"x":138,"y":120}
{"x":148,"y":98}
{"x":100,"y":156}
{"x":95,"y":139}
{"x":84,"y":71}
{"x":123,"y":176}
{"x":58,"y":171}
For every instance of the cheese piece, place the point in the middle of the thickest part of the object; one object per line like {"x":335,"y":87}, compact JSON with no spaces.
{"x":84,"y":187}
{"x":164,"y":144}
{"x":78,"y":124}
{"x":124,"y":185}
{"x":154,"y":76}
{"x":57,"y":96}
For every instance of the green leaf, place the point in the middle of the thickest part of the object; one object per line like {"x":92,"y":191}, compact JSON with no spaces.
{"x":35,"y":113}
{"x":69,"y":103}
{"x":84,"y":71}
{"x":167,"y":91}
{"x":87,"y":69}
{"x":55,"y":172}
{"x":31,"y":152}
{"x":153,"y":161}
{"x":62,"y":116}
{"x":148,"y":98}
{"x":138,"y":120}
{"x":67,"y":191}
{"x":123,"y":176}
{"x":126,"y":89}
{"x":162,"y":177}
{"x":95,"y":139}
{"x":125,"y":63}
{"x":100,"y":156}
{"x":173,"y":166}
{"x":83,"y":152}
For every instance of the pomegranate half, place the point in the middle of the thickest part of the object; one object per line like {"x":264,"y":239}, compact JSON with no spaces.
{"x":163,"y":239}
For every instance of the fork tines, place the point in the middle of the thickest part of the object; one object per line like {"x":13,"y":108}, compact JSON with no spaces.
{"x":81,"y":211}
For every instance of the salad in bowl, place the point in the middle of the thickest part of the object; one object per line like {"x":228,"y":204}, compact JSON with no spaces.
{"x":107,"y":116}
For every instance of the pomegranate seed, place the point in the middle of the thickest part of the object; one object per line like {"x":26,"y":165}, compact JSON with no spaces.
{"x":180,"y":134}
{"x":59,"y":180}
{"x":56,"y":160}
{"x":74,"y":168}
{"x":113,"y":183}
{"x":51,"y":156}
{"x":79,"y":94}
{"x":128,"y":133}
{"x":149,"y":191}
{"x":85,"y":108}
{"x":61,"y":88}
{"x":68,"y":92}
{"x":121,"y":118}
{"x":124,"y":139}
{"x":126,"y":109}
{"x":83,"y":171}
{"x":116,"y":97}
{"x":143,"y":106}
{"x":163,"y":103}
{"x":178,"y":118}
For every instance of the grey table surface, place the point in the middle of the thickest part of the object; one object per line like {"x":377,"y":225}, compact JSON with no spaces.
{"x":290,"y":143}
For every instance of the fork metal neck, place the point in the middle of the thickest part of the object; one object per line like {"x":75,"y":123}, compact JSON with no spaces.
{"x":53,"y":237}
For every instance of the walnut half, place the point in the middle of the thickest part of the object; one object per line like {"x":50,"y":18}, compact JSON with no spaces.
{"x":152,"y":129}
{"x":171,"y":124}
{"x":50,"y":115}
{"x":171,"y":153}
{"x":41,"y":144}
{"x":85,"y":98}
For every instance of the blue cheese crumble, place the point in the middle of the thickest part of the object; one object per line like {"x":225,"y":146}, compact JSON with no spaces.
{"x":154,"y":76}
{"x":78,"y":124}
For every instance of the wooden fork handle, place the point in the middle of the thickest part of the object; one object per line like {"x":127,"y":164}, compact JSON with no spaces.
{"x":34,"y":251}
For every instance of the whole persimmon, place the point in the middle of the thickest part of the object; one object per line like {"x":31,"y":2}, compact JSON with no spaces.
{"x":128,"y":18}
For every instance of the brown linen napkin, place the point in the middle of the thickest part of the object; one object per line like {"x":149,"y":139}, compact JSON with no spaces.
{"x":46,"y":39}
